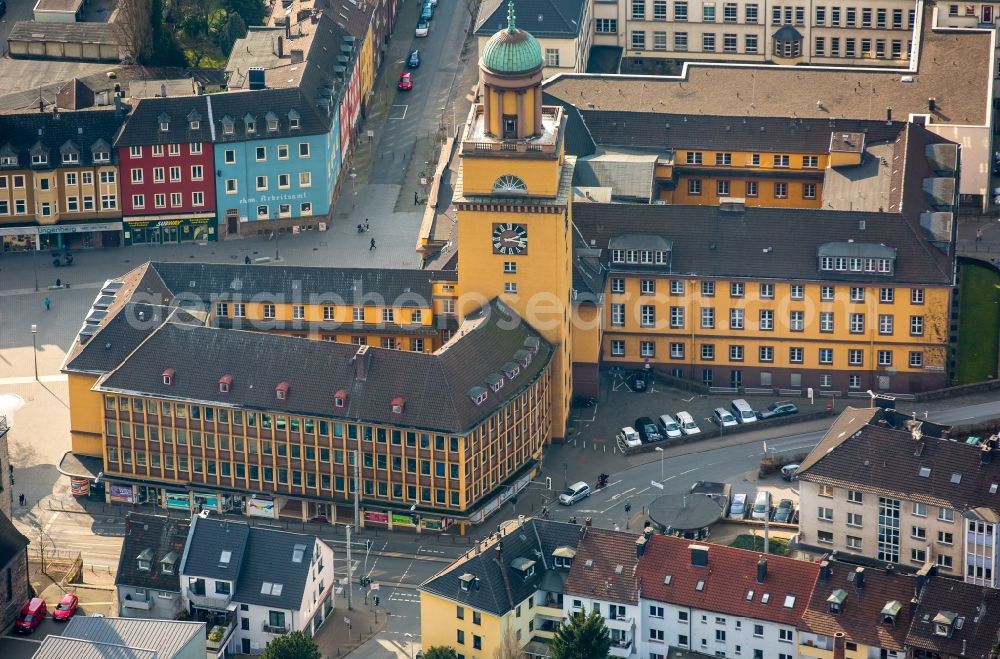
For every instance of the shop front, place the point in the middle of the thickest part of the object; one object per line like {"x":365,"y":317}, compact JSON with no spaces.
{"x":169,"y":229}
{"x":121,"y":493}
{"x":83,"y":235}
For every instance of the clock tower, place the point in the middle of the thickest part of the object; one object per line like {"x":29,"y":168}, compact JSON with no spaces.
{"x":514,"y":201}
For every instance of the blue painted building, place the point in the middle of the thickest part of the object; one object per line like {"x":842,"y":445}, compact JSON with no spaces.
{"x":276,"y":158}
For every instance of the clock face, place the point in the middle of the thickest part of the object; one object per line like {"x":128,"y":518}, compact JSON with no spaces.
{"x":510,"y":238}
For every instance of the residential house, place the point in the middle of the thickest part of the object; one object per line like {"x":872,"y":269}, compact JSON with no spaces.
{"x":15,"y":587}
{"x":59,"y":179}
{"x":562,"y":27}
{"x":252,"y":584}
{"x":866,"y":611}
{"x":511,"y":583}
{"x":168,"y":171}
{"x":719,"y":600}
{"x":954,"y":620}
{"x":604,"y":578}
{"x":903,"y":491}
{"x":272,"y":163}
{"x":86,"y":637}
{"x":148,"y":578}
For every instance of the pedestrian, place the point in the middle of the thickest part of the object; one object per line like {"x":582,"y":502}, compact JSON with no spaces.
{"x":58,"y":283}
{"x":20,"y":499}
{"x":372,"y":246}
{"x":47,"y":302}
{"x":366,"y":225}
{"x":246,"y":259}
{"x":979,"y":235}
{"x":416,"y":199}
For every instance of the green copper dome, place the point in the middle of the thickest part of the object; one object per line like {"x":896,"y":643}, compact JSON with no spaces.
{"x":511,"y":51}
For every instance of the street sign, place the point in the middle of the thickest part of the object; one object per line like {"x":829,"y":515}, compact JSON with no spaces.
{"x":657,"y":485}
{"x":347,"y":621}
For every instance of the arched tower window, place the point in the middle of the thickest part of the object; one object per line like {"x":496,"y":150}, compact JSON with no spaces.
{"x":508,"y":183}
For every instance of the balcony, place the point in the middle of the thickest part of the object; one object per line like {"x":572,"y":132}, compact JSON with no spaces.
{"x":270,"y":629}
{"x":621,"y":647}
{"x":217,"y":637}
{"x":214,"y":602}
{"x":476,"y":139}
{"x":545,"y":628}
{"x":622,"y":623}
{"x":140,"y":602}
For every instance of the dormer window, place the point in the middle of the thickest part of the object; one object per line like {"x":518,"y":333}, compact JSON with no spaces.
{"x":525,"y":566}
{"x":495,"y":380}
{"x":281,"y":391}
{"x":511,"y":369}
{"x":836,"y":600}
{"x":168,"y":563}
{"x":145,"y":560}
{"x":944,"y":623}
{"x":397,"y":405}
{"x":467,"y":581}
{"x":293,"y":119}
{"x":102,"y":156}
{"x":168,"y":377}
{"x":225,"y":383}
{"x":478,"y":395}
{"x":340,"y":398}
{"x":39,"y":159}
{"x":890,"y":611}
{"x":194,"y":124}
{"x":70,"y":157}
{"x":251,"y":124}
{"x":523,"y":357}
{"x":228,"y":126}
{"x":164,"y":121}
{"x":272,"y":122}
{"x":563,"y":557}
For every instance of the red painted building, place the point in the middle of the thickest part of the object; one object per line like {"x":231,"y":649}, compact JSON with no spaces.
{"x":350,"y":109}
{"x":167,"y":171}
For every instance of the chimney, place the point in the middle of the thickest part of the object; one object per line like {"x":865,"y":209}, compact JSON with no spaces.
{"x":888,"y":114}
{"x":761,"y":569}
{"x":699,"y":555}
{"x":498,"y":553}
{"x":296,"y":54}
{"x":281,"y":46}
{"x":362,"y":360}
{"x":859,"y":578}
{"x":288,"y":27}
{"x":838,"y":645}
{"x":640,"y":546}
{"x":824,"y":571}
{"x":118,"y":105}
{"x":964,"y":641}
{"x":932,"y":104}
{"x":914,"y":603}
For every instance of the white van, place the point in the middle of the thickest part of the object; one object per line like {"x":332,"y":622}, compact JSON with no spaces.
{"x":762,"y":505}
{"x":669,"y":426}
{"x":688,"y":426}
{"x":742,"y":411}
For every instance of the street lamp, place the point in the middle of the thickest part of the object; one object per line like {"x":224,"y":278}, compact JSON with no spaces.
{"x":659,"y":449}
{"x":354,"y":189}
{"x":410,"y":642}
{"x":34,"y":348}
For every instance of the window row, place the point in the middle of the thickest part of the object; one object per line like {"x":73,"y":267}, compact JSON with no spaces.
{"x":281,"y":151}
{"x":298,"y":312}
{"x":137,"y":174}
{"x":779,"y":189}
{"x":658,"y":10}
{"x":778,"y":160}
{"x":680,"y":41}
{"x":766,"y":354}
{"x":74,"y":204}
{"x":17,"y":181}
{"x":765,"y":290}
{"x":863,"y":17}
{"x":156,"y":150}
{"x":864,"y":47}
{"x":160,"y":200}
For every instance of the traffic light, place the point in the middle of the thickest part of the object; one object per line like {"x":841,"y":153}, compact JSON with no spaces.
{"x":376,"y":600}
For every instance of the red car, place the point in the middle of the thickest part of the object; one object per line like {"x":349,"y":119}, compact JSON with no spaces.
{"x":66,"y":607}
{"x":32,"y":615}
{"x":405,"y":81}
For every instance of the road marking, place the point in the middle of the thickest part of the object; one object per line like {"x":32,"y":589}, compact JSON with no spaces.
{"x":397,"y":112}
{"x":621,"y":494}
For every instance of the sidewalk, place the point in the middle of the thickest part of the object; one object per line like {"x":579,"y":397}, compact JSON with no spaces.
{"x":336,"y":639}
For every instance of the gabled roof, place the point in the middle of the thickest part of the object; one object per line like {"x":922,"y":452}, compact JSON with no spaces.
{"x":975,"y":608}
{"x":559,"y":19}
{"x":215,"y":549}
{"x":269,"y":566}
{"x":162,"y":538}
{"x":860,"y":618}
{"x":882,"y":457}
{"x":166,"y":638}
{"x":48,"y":131}
{"x":729,"y":581}
{"x":256,"y":105}
{"x":143,"y":125}
{"x":534,"y":539}
{"x":605,"y":566}
{"x":117,"y":338}
{"x":434,"y":386}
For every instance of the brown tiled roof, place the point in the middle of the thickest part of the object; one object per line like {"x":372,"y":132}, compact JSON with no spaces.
{"x":766,"y":243}
{"x":887,"y":461}
{"x":978,"y":606}
{"x":953,"y":69}
{"x":860,"y":619}
{"x":728,"y":579}
{"x":605,"y":567}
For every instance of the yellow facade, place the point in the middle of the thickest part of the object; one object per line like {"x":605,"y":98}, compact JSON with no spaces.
{"x":778,"y":326}
{"x":542,"y":176}
{"x":366,"y":59}
{"x":85,"y":418}
{"x":444,"y":622}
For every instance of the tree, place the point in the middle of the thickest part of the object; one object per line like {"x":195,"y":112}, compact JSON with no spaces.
{"x":583,"y":637}
{"x":440,"y":652}
{"x":253,"y":12}
{"x":292,"y":646}
{"x":133,"y":29}
{"x":509,"y":648}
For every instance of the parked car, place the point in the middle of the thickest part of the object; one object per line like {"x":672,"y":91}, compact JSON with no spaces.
{"x":669,"y":427}
{"x":788,"y":472}
{"x":783,"y":513}
{"x":739,"y":507}
{"x":427,"y":11}
{"x":723,"y":418}
{"x":761,"y":505}
{"x":688,"y":426}
{"x":648,"y":431}
{"x":422,"y":28}
{"x":641,"y":380}
{"x":66,"y":607}
{"x":629,"y":437}
{"x":575,"y":492}
{"x":742,"y":411}
{"x":413,"y":61}
{"x":32,"y":615}
{"x":405,"y":81}
{"x":778,"y":409}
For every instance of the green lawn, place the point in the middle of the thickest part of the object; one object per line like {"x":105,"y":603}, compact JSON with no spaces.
{"x":979,"y":324}
{"x":777,"y":546}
